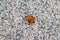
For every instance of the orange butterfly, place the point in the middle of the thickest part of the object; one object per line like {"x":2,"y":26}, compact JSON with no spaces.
{"x":30,"y":19}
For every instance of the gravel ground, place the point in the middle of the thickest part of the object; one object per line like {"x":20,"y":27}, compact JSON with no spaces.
{"x":13,"y":25}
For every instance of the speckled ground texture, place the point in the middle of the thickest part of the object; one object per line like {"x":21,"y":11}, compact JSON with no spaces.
{"x":13,"y":25}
